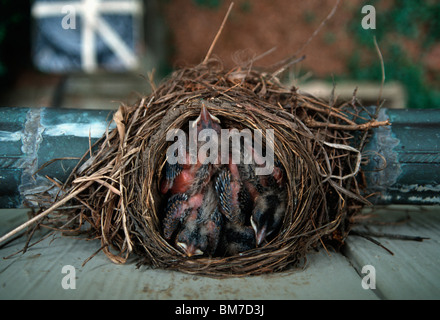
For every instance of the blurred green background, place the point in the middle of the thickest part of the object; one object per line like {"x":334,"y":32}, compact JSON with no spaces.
{"x":409,"y":33}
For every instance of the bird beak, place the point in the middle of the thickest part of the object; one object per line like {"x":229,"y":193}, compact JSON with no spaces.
{"x":260,"y":235}
{"x":191,"y":250}
{"x":206,"y":118}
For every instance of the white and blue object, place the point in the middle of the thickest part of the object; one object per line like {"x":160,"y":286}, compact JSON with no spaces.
{"x":86,"y":35}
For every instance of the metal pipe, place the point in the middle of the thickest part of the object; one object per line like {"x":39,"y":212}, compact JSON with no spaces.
{"x":30,"y":137}
{"x":411,"y":147}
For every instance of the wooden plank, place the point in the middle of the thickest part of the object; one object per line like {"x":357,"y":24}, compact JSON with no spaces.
{"x":38,"y":274}
{"x":367,"y":92}
{"x":413,"y":271}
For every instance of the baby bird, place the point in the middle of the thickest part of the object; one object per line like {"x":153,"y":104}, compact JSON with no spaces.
{"x":236,"y":238}
{"x":206,"y":120}
{"x":234,"y":203}
{"x":229,"y":191}
{"x":188,"y":238}
{"x":185,"y":182}
{"x":276,"y":179}
{"x":268,"y":213}
{"x":178,"y":207}
{"x":224,"y":209}
{"x":185,"y":178}
{"x":172,"y":171}
{"x":191,"y":178}
{"x":200,"y":232}
{"x":268,"y":194}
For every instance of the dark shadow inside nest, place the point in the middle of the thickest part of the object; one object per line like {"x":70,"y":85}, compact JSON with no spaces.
{"x":236,"y":237}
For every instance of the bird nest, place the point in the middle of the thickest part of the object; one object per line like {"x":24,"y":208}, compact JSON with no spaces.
{"x":318,"y":144}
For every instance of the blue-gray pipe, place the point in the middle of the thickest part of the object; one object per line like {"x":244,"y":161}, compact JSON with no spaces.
{"x":30,"y":137}
{"x":411,"y":147}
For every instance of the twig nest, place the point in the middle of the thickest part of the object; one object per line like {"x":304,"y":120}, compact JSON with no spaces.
{"x":316,"y":143}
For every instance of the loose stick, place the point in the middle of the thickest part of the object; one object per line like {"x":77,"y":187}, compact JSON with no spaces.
{"x":46,"y":212}
{"x":382,"y":66}
{"x":363,"y":126}
{"x":218,"y":34}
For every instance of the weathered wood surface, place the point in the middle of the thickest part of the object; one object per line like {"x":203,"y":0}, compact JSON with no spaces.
{"x":411,"y":273}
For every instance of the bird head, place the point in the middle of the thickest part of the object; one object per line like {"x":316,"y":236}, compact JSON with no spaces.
{"x":237,"y":238}
{"x":190,"y":249}
{"x":206,"y":121}
{"x":259,"y":222}
{"x":266,"y":215}
{"x":188,"y":238}
{"x":190,"y":242}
